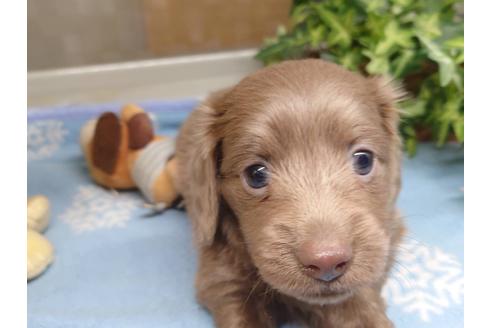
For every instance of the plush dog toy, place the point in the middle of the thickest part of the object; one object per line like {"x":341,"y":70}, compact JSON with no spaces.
{"x":123,"y":153}
{"x":39,"y":250}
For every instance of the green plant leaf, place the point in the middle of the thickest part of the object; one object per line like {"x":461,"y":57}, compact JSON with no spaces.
{"x":460,"y":58}
{"x":459,"y":130}
{"x":408,"y":131}
{"x":447,"y":68}
{"x":414,"y":108}
{"x":457,"y":42}
{"x":350,"y":60}
{"x":458,"y":81}
{"x":281,"y":30}
{"x":403,"y":3}
{"x":349,"y":19}
{"x":374,"y":26}
{"x":411,"y":146}
{"x":428,"y":25}
{"x":339,"y":34}
{"x":377,"y":64}
{"x":316,"y":36}
{"x":393,"y":36}
{"x":402,"y":62}
{"x":442,"y":132}
{"x":374,"y":6}
{"x":299,"y":14}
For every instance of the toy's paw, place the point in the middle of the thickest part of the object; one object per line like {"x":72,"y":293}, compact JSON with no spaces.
{"x":39,"y":253}
{"x":38,"y":212}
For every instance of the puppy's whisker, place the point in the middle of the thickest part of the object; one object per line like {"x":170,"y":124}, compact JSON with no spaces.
{"x":417,"y":241}
{"x":402,"y":266}
{"x":258,"y":281}
{"x":404,"y":249}
{"x":404,"y":284}
{"x":399,"y":266}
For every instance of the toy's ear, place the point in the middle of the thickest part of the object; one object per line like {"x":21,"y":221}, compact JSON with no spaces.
{"x":388,"y":93}
{"x":200,"y":144}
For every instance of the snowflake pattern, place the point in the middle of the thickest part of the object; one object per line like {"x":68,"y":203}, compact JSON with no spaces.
{"x":425,"y":281}
{"x":95,"y":208}
{"x":44,"y":138}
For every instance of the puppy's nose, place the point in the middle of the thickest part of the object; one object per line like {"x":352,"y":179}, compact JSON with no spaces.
{"x":324,"y":262}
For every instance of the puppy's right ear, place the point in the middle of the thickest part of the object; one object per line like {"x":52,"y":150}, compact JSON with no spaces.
{"x":198,"y":149}
{"x":388,"y":93}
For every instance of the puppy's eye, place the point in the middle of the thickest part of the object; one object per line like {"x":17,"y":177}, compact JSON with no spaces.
{"x":256,"y":176}
{"x":362,"y":162}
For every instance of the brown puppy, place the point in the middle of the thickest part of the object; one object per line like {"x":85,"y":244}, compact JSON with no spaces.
{"x":290,"y":180}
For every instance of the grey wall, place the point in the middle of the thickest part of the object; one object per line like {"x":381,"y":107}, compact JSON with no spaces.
{"x":67,"y":33}
{"x":62,"y":33}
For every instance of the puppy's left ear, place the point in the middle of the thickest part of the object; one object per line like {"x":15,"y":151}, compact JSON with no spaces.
{"x":388,"y":93}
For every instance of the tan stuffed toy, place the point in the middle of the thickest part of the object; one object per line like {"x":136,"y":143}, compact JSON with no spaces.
{"x":123,"y":153}
{"x":40,"y":252}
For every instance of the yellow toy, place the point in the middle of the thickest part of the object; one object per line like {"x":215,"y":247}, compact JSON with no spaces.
{"x":40,"y":252}
{"x":123,"y":153}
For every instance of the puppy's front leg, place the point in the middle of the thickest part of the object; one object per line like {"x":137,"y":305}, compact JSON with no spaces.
{"x":231,"y":293}
{"x":235,"y":313}
{"x":366,"y":309}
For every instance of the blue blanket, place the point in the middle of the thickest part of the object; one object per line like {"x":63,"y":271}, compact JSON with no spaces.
{"x":116,"y":268}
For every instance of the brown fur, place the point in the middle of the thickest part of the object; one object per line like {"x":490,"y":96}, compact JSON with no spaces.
{"x":303,"y":119}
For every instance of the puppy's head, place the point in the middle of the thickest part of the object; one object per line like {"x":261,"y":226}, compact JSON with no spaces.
{"x":306,"y":154}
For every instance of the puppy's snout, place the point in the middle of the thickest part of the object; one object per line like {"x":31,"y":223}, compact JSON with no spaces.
{"x":324,"y":261}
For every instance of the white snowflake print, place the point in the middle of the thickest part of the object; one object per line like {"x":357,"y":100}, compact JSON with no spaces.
{"x":425,"y":281}
{"x":97,"y":208}
{"x":44,"y":138}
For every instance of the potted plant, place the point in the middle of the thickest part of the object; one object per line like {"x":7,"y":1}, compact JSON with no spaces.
{"x":418,"y":42}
